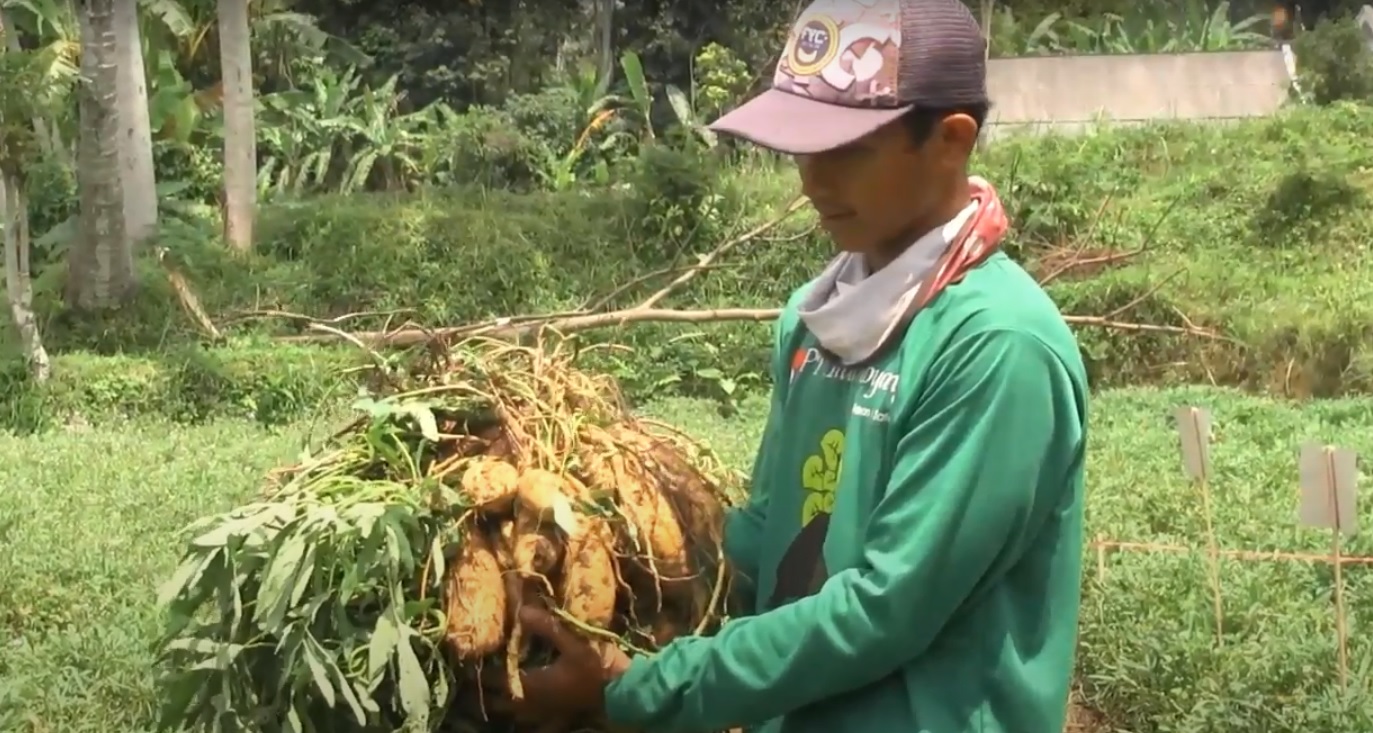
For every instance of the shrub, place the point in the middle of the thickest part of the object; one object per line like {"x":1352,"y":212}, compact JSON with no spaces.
{"x":482,"y":146}
{"x":1334,"y":62}
{"x":267,"y":383}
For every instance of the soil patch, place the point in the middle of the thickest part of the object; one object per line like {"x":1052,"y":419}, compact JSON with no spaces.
{"x":1083,"y":718}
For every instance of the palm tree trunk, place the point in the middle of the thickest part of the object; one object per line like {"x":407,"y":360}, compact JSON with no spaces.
{"x":240,"y":136}
{"x":135,"y":134}
{"x":605,"y":45}
{"x":101,"y":263}
{"x":14,"y":206}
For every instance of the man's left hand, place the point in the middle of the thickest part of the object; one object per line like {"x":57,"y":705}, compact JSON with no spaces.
{"x":574,"y":683}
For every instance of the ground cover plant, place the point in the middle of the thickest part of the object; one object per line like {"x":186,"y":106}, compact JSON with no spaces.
{"x":92,"y":539}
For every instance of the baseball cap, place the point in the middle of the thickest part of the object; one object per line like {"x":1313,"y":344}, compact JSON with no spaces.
{"x":851,"y":66}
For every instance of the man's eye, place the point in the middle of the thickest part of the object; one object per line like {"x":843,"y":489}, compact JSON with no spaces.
{"x":847,"y":153}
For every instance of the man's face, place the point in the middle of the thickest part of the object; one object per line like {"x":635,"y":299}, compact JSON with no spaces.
{"x":873,"y":194}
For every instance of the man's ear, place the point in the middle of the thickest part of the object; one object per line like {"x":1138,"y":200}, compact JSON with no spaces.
{"x":957,"y":135}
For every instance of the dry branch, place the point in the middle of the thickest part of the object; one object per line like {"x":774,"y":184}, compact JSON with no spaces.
{"x":709,"y":257}
{"x":510,"y":328}
{"x":507,"y":328}
{"x":187,"y":297}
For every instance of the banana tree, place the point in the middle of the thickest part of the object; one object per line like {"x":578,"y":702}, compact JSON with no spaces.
{"x":385,"y":144}
{"x":63,"y":44}
{"x":281,"y":39}
{"x":336,"y":133}
{"x":639,"y":92}
{"x":302,"y":131}
{"x":182,"y":36}
{"x":684,"y":105}
{"x":32,"y":84}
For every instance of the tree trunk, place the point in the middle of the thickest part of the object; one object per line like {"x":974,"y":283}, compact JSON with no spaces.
{"x":240,"y":137}
{"x":18,"y":275}
{"x":135,"y":134}
{"x":101,"y":263}
{"x":605,"y":45}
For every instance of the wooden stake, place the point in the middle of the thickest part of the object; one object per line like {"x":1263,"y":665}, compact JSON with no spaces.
{"x":1336,"y":555}
{"x":1194,"y":426}
{"x":1328,"y":500}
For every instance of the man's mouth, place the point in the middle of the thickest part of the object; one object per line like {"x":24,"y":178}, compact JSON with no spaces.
{"x":832,"y":213}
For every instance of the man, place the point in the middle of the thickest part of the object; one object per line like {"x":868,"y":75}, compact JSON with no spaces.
{"x":915,"y":521}
{"x":1290,"y":16}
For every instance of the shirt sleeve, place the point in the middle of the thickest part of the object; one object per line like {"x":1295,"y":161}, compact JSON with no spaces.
{"x":948,"y":523}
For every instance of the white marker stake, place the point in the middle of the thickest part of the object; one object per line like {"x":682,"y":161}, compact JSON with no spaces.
{"x":1329,"y":490}
{"x":1194,"y":429}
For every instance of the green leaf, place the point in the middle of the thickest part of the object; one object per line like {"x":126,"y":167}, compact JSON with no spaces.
{"x":350,"y":696}
{"x":386,"y":636}
{"x":436,"y":556}
{"x":224,"y":657}
{"x":184,"y":577}
{"x":394,"y":544}
{"x":413,"y":685}
{"x":429,"y":427}
{"x":281,"y":572}
{"x":231,"y":527}
{"x":303,"y":575}
{"x":319,"y":674}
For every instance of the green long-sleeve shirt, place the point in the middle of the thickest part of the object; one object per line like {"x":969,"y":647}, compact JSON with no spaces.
{"x":915,"y":532}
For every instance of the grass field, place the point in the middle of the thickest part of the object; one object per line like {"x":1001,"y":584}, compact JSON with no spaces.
{"x":89,"y":521}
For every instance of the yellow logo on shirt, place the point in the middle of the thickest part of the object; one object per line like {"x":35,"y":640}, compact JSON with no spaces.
{"x":820,"y":476}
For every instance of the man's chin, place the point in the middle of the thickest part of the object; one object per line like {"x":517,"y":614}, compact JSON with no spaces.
{"x":850,"y":244}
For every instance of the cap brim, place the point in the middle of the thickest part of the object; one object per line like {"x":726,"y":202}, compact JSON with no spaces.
{"x":796,"y":125}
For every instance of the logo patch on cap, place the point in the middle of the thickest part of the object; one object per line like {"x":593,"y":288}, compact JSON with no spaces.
{"x":816,"y":45}
{"x":844,"y":52}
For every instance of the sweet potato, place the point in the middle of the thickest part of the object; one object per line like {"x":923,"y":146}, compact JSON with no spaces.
{"x":542,"y":497}
{"x":653,"y":523}
{"x":589,"y":582}
{"x":490,"y":484}
{"x":476,"y":600}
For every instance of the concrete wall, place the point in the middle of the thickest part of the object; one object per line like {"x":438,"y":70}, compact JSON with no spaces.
{"x":1071,"y":92}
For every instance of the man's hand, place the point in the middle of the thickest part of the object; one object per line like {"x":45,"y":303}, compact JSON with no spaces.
{"x":574,"y":683}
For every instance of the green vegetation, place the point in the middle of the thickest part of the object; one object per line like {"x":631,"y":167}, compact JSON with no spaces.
{"x":93,"y":519}
{"x":1246,"y":230}
{"x":1192,"y":25}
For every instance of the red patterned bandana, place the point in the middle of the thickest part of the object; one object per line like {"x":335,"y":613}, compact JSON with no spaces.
{"x":980,"y":236}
